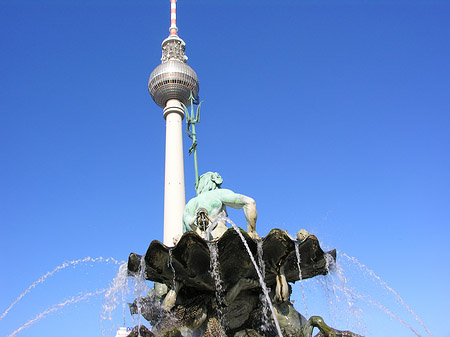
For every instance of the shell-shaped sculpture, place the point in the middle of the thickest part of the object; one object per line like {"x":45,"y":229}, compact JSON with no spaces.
{"x":192,"y":301}
{"x":191,"y":260}
{"x":173,"y":79}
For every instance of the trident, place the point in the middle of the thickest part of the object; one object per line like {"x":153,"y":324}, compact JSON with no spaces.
{"x":191,"y":119}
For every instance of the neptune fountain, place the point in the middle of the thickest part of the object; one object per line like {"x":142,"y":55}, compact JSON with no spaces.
{"x":211,"y":279}
{"x":208,"y":283}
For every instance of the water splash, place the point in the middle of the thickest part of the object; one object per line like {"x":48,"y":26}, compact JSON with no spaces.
{"x":140,"y":287}
{"x":338,"y":290}
{"x":50,"y":273}
{"x":297,"y":253}
{"x":343,"y":298}
{"x":261,"y":280}
{"x":56,"y":307}
{"x":117,"y":291}
{"x":215,"y":274}
{"x":263,"y":299}
{"x":384,"y":284}
{"x":368,"y":299}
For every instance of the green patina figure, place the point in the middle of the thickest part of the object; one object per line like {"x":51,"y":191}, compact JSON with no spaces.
{"x":210,"y":204}
{"x":201,"y":212}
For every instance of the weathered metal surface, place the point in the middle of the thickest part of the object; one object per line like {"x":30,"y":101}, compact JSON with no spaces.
{"x":191,"y":259}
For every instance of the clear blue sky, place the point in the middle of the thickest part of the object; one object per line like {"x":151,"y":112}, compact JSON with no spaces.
{"x":334,"y":115}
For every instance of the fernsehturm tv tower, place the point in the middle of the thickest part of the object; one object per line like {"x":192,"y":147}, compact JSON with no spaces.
{"x":171,"y":84}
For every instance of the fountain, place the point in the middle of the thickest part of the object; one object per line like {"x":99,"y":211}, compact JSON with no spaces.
{"x":220,"y":283}
{"x":207,"y":280}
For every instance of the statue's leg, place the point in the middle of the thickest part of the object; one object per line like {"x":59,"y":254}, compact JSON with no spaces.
{"x":281,"y":288}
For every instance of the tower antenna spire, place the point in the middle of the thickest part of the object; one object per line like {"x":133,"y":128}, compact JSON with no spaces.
{"x":173,"y":18}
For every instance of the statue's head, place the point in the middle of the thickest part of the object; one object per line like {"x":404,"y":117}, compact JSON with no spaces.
{"x":209,"y":181}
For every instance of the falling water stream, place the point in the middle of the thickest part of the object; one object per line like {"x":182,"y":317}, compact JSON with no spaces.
{"x":261,"y":279}
{"x":335,"y":284}
{"x":140,"y":287}
{"x":170,"y":262}
{"x":297,"y":253}
{"x":265,"y":304}
{"x":215,"y":273}
{"x":115,"y":293}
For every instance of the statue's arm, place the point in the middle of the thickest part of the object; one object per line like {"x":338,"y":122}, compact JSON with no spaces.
{"x":240,"y":201}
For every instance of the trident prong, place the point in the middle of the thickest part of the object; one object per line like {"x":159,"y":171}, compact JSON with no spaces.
{"x":192,"y":118}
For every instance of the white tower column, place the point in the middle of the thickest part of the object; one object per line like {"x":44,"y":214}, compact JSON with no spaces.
{"x":174,"y":190}
{"x":170,"y":84}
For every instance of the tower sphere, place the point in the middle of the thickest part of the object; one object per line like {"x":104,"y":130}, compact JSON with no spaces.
{"x":173,"y":78}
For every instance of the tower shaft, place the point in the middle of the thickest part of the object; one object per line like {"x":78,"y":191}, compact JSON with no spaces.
{"x":174,"y":190}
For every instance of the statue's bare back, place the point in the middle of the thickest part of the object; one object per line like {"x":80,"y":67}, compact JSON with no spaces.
{"x":213,"y":199}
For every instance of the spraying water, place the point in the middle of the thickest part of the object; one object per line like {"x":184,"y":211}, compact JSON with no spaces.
{"x":383,"y":284}
{"x":261,"y":280}
{"x":368,"y":299}
{"x":56,"y":307}
{"x":339,"y":292}
{"x":50,"y":273}
{"x":117,"y":291}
